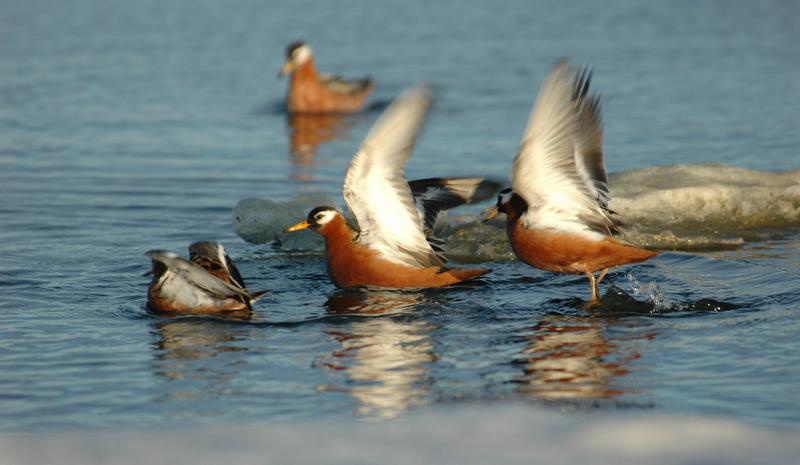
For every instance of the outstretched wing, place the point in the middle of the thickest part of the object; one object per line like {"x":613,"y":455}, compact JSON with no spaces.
{"x":432,"y":195}
{"x":559,"y":169}
{"x":375,"y":186}
{"x":589,"y":139}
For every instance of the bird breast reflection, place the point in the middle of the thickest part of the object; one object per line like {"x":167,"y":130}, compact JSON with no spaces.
{"x":571,"y":357}
{"x":386,"y":358}
{"x":307,"y":132}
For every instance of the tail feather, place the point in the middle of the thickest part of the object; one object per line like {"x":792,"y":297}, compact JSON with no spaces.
{"x":641,"y":255}
{"x":466,"y":274}
{"x":628,"y":253}
{"x":255,"y":296}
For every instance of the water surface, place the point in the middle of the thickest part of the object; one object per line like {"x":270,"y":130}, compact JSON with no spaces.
{"x":131,"y":126}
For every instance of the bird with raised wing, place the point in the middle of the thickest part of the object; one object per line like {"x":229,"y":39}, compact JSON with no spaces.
{"x":393,"y":246}
{"x":558,"y":217}
{"x":313,"y":92}
{"x":207,"y":283}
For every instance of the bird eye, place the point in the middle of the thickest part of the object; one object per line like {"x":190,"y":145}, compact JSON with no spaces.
{"x":318,"y":216}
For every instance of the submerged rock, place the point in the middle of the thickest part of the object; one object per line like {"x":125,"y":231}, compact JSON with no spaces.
{"x":680,"y":207}
{"x":261,"y":220}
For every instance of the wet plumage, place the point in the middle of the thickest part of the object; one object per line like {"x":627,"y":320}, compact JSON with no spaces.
{"x":207,"y":283}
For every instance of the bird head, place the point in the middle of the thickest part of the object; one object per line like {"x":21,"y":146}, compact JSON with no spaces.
{"x":503,"y":200}
{"x":297,"y":53}
{"x":317,"y":219}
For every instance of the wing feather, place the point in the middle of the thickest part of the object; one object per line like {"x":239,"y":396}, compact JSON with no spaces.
{"x":432,"y":195}
{"x":589,"y":139}
{"x":212,"y":257}
{"x":345,"y":86}
{"x":198,"y":276}
{"x":559,"y":168}
{"x":376,"y":190}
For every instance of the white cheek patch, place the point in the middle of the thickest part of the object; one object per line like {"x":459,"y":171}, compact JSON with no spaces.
{"x":326,"y":217}
{"x":504,"y":198}
{"x":302,"y":54}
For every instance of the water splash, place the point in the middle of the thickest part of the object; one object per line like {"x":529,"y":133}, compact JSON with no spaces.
{"x":650,"y":292}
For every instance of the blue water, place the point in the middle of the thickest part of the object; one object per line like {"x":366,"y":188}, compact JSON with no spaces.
{"x":127,"y":126}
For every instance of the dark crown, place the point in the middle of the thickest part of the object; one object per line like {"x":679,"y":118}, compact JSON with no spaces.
{"x":292,"y":47}
{"x":313,"y":213}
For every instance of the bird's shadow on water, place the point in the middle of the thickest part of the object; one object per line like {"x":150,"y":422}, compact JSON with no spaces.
{"x":616,"y":302}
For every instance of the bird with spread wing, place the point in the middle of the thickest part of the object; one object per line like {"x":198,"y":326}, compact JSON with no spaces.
{"x":393,"y":245}
{"x":558,"y":217}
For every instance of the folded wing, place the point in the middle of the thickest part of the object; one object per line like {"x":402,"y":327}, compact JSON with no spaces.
{"x":212,"y":257}
{"x":345,"y":86}
{"x":199,"y":276}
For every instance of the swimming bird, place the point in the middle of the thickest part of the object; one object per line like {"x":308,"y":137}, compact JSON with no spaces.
{"x":557,"y":208}
{"x":394,"y":246}
{"x":207,"y":283}
{"x":314,"y":92}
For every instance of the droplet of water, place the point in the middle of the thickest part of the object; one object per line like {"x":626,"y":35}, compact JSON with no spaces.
{"x":651,"y":293}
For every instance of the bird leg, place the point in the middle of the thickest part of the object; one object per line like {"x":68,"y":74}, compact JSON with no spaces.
{"x":600,"y":278}
{"x":595,"y":292}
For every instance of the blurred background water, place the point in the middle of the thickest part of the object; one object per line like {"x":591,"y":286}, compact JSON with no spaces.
{"x":127,"y":126}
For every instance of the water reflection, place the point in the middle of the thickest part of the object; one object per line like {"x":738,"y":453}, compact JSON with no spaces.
{"x":571,"y":357}
{"x":307,"y":132}
{"x":197,"y":354}
{"x":386,"y":360}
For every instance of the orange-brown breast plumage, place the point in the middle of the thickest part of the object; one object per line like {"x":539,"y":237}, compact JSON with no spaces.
{"x":352,"y":264}
{"x":569,"y":252}
{"x":158,"y":302}
{"x":565,"y":252}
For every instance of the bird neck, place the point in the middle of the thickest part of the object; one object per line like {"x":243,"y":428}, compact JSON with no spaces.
{"x":515,"y":208}
{"x":305,"y":71}
{"x":337,"y":232}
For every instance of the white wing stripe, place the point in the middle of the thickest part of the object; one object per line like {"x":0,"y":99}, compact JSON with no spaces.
{"x":375,"y":187}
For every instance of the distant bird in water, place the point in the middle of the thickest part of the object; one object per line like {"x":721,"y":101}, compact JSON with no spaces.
{"x":394,"y":247}
{"x":314,"y":92}
{"x":557,"y":209}
{"x":208,"y":283}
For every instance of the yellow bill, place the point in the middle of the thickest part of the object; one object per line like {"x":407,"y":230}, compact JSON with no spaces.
{"x":489,"y":213}
{"x":297,"y":227}
{"x":286,"y":69}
